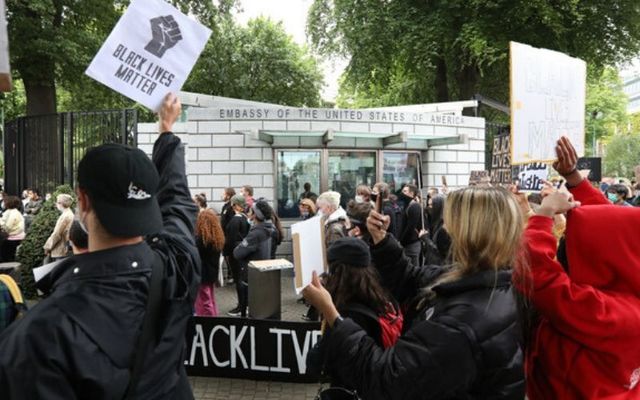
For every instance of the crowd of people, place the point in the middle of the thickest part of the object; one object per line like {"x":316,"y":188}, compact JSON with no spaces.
{"x":480,"y":292}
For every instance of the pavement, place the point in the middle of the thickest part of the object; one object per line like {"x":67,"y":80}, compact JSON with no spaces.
{"x":236,"y":389}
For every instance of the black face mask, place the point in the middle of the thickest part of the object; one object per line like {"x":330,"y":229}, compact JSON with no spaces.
{"x":405,"y":198}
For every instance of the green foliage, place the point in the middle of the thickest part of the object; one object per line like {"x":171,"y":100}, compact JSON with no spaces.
{"x":606,"y":106}
{"x":260,"y":62}
{"x":452,"y":49}
{"x":30,"y":253}
{"x":623,"y":154}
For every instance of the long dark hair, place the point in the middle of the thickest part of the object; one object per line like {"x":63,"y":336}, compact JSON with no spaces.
{"x":348,"y":284}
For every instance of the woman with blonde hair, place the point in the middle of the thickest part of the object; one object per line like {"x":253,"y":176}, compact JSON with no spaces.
{"x":461,"y":337}
{"x":56,"y":245}
{"x":210,"y":242}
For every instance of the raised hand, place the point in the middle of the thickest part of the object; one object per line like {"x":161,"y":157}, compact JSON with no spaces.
{"x":169,"y":112}
{"x":556,"y":203}
{"x":567,"y":162}
{"x":166,"y":33}
{"x":377,"y":225}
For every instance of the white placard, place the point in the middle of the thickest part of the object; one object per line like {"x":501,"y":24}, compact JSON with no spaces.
{"x":150,"y":52}
{"x":547,"y":101}
{"x":5,"y":71}
{"x":309,"y":253}
{"x":531,"y":176}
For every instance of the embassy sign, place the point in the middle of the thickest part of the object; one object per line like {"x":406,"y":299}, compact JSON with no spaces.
{"x":330,"y":114}
{"x":250,"y":348}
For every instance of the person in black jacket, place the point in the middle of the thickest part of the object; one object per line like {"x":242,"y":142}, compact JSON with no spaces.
{"x":256,"y":246}
{"x":210,"y":241}
{"x":462,"y":338}
{"x":412,"y":223}
{"x":235,"y":232}
{"x":227,"y":209}
{"x":81,"y":341}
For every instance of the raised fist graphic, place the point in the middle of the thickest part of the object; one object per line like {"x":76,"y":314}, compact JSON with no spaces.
{"x":166,"y":33}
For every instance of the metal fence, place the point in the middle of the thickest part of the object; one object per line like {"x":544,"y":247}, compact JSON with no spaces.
{"x":43,"y":151}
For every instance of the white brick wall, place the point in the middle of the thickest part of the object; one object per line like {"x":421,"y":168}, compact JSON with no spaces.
{"x":214,"y":127}
{"x":229,"y":140}
{"x":257,"y":167}
{"x":212,"y":154}
{"x":227,"y":167}
{"x":246,"y":154}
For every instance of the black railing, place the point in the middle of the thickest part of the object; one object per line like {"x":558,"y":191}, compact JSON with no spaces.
{"x":43,"y":151}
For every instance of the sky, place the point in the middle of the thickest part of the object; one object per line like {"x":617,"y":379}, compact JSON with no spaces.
{"x":293,"y":14}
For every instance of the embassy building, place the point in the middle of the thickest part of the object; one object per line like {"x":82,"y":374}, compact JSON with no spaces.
{"x":277,"y":149}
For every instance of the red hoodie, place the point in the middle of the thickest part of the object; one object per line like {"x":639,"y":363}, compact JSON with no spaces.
{"x":587,"y":345}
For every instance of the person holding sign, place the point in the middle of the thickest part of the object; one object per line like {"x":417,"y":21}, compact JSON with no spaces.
{"x":88,"y":339}
{"x":585,"y":345}
{"x":461,"y":338}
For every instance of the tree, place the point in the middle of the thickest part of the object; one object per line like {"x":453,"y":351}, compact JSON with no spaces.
{"x":606,"y":106}
{"x":260,"y":62}
{"x":53,"y":41}
{"x":451,"y":49}
{"x":622,"y":155}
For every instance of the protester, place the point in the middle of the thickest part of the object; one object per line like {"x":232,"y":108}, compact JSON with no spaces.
{"x":256,"y":246}
{"x":227,"y":210}
{"x":435,"y":239}
{"x":83,"y":340}
{"x":13,"y":225}
{"x":247,"y":192}
{"x":617,"y":194}
{"x":363,"y":194}
{"x":356,"y":291}
{"x":412,"y":223}
{"x":56,"y":245}
{"x":78,"y":238}
{"x":334,"y":217}
{"x":389,"y":208}
{"x":308,"y":194}
{"x":34,"y":204}
{"x":210,"y":242}
{"x":235,"y":232}
{"x":307,"y":209}
{"x":461,"y":339}
{"x":201,"y":201}
{"x":357,"y":214}
{"x":277,"y":235}
{"x":585,"y":345}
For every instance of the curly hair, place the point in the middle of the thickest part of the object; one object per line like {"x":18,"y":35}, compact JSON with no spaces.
{"x":209,"y":230}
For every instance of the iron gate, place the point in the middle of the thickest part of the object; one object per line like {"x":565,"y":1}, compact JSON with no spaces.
{"x":43,"y":151}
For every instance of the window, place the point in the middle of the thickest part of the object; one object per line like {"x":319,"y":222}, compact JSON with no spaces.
{"x":348,"y":169}
{"x":399,"y":169}
{"x":295,"y":168}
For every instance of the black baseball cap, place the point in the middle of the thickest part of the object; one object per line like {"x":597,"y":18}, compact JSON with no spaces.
{"x":122,"y":183}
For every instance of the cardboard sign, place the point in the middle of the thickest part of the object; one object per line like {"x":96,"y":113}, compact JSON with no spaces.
{"x":150,"y":52}
{"x":5,"y":71}
{"x":547,"y":101}
{"x":594,"y":165}
{"x":501,"y":160}
{"x":530,"y":176}
{"x":479,"y":178}
{"x":250,"y":348}
{"x":309,"y":253}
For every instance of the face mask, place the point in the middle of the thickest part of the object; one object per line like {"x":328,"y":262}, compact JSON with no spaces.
{"x":59,"y":207}
{"x":320,"y":213}
{"x":359,"y":199}
{"x":612,"y":197}
{"x":251,"y":222}
{"x":80,"y":218}
{"x":305,"y":214}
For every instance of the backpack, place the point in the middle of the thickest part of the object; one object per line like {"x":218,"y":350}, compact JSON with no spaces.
{"x":390,"y":323}
{"x":19,"y":306}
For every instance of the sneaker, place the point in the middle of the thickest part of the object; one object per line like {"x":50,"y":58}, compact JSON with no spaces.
{"x":235,"y":312}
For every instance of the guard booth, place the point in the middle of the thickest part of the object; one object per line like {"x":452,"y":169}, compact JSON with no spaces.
{"x":277,"y":149}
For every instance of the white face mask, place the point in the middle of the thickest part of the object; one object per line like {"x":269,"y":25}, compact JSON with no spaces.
{"x":80,"y":218}
{"x":59,"y":207}
{"x":359,"y":199}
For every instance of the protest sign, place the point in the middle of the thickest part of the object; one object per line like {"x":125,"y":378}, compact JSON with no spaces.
{"x":150,"y":52}
{"x":501,"y":160}
{"x":250,"y":348}
{"x":547,"y":101}
{"x":479,"y":178}
{"x":593,"y":165}
{"x":5,"y":72}
{"x":530,"y":176}
{"x":309,"y":253}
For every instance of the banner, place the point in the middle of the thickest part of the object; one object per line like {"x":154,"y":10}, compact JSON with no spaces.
{"x":250,"y":348}
{"x":5,"y":71}
{"x":593,"y":165}
{"x":530,"y":176}
{"x":479,"y":178}
{"x":501,"y":160}
{"x":547,"y":101}
{"x":150,"y":52}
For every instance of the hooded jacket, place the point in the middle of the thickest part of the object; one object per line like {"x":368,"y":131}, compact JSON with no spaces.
{"x":80,"y":341}
{"x":257,"y":245}
{"x":587,"y":343}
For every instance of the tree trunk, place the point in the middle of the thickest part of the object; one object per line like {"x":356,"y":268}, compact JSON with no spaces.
{"x":467,"y":78}
{"x":440,"y":81}
{"x":41,"y":96}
